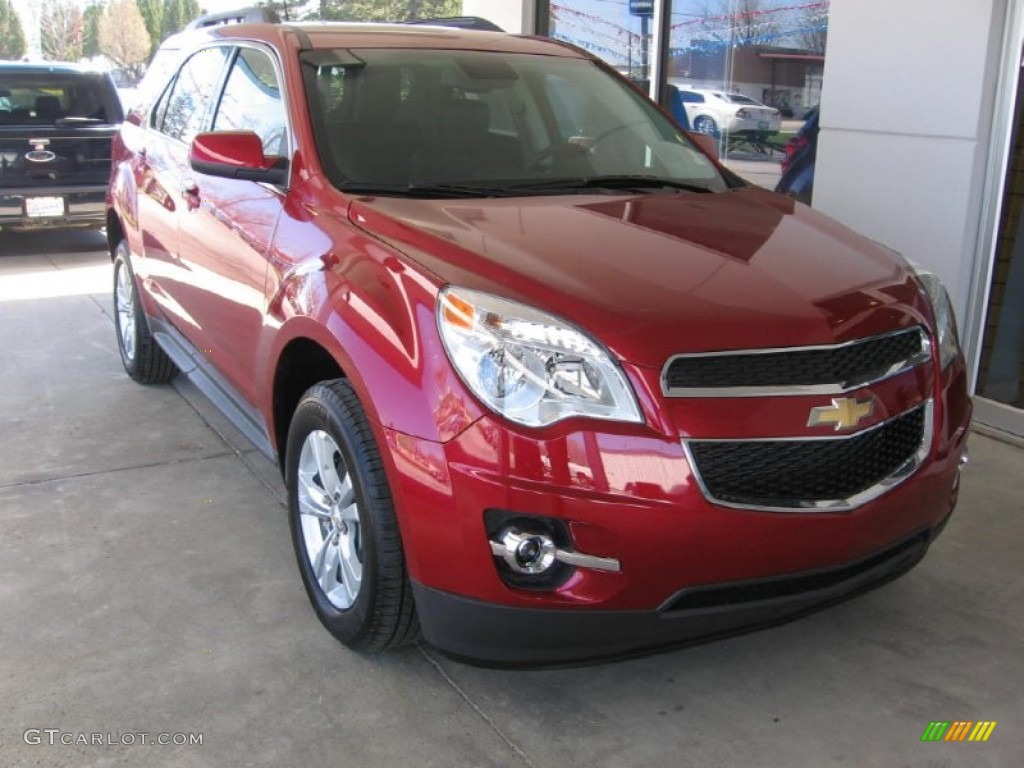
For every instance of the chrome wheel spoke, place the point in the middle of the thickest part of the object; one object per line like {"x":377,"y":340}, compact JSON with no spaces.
{"x":323,"y":554}
{"x":328,"y":573}
{"x":351,"y":567}
{"x":312,"y":500}
{"x":346,"y":491}
{"x":324,"y":450}
{"x":350,"y":513}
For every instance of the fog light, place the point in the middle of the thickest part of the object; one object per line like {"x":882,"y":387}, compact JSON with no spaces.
{"x":531,"y":553}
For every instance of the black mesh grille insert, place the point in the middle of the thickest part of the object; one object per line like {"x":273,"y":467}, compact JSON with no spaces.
{"x":898,"y":558}
{"x":786,"y":472}
{"x":863,"y":361}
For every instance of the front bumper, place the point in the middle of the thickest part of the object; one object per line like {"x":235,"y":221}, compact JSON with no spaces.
{"x":495,"y":635}
{"x":691,"y":570}
{"x":81,"y":206}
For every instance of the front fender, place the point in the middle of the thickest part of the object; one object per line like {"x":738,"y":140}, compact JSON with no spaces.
{"x":374,"y":314}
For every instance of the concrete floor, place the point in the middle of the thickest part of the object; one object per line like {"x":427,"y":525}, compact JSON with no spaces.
{"x":147,"y":584}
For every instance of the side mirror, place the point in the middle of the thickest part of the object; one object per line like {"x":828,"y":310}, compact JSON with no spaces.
{"x":235,"y":155}
{"x":705,"y":142}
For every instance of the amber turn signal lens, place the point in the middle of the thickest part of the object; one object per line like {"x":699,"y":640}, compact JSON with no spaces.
{"x":457,"y":312}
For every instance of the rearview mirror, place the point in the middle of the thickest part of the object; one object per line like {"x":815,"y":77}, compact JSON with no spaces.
{"x":235,"y":155}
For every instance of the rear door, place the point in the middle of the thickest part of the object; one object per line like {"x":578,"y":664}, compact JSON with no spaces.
{"x":162,"y":180}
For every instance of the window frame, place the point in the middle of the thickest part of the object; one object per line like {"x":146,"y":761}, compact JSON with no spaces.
{"x":275,"y":62}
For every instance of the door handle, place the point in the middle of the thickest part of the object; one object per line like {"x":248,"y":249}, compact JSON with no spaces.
{"x":190,"y":193}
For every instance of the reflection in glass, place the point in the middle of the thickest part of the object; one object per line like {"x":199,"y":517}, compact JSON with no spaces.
{"x":1002,"y":361}
{"x":746,"y":72}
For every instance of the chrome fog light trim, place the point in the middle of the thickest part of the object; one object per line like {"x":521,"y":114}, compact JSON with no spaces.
{"x":535,"y":553}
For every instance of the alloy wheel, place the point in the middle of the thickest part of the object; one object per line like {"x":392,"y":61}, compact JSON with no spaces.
{"x":125,"y":306}
{"x":329,"y":517}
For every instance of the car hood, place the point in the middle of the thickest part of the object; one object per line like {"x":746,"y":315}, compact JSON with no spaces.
{"x":655,"y":275}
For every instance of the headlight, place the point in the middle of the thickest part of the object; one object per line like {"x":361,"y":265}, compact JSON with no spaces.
{"x":530,"y":367}
{"x":945,"y":320}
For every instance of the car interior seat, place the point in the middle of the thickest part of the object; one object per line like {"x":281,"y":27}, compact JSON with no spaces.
{"x":466,"y":148}
{"x":369,"y":143}
{"x":48,"y":108}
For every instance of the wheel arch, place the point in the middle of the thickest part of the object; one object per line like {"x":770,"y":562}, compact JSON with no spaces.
{"x":115,"y":231}
{"x":301,"y":363}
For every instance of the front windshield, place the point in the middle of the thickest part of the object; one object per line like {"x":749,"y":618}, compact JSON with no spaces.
{"x":423,"y":118}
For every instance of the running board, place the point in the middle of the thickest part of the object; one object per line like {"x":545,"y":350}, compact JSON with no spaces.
{"x":217,"y":390}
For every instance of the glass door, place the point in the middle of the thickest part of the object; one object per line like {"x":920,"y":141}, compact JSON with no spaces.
{"x":1000,"y":386}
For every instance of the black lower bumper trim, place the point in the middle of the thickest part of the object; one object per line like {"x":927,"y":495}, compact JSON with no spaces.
{"x":496,"y":635}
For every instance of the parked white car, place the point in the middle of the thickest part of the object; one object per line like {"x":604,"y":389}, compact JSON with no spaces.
{"x":715,"y":111}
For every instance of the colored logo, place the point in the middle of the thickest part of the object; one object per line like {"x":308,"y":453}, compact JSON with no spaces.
{"x":845,"y":412}
{"x":958,"y":730}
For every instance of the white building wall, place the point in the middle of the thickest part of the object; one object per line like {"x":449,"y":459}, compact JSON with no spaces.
{"x":906,"y":115}
{"x":516,"y":16}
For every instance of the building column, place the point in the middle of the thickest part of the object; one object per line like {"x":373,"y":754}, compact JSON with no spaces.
{"x":516,"y":16}
{"x":906,"y":119}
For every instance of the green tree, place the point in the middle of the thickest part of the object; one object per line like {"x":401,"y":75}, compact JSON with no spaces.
{"x":91,"y":28}
{"x":61,"y":31}
{"x":388,"y":10}
{"x":123,"y":35}
{"x":153,"y":16}
{"x":176,"y":14}
{"x":12,"y":36}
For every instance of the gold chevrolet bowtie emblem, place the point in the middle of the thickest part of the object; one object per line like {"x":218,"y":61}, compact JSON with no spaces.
{"x":845,"y":412}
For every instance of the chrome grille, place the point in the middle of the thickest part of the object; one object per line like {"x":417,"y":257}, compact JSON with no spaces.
{"x":812,"y":474}
{"x":832,"y":369}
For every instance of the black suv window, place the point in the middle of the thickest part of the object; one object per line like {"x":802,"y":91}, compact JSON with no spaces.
{"x":252,"y":101}
{"x":43,"y":97}
{"x":183,"y":110}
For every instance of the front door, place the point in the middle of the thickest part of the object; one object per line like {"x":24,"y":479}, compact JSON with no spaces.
{"x":225,"y":236}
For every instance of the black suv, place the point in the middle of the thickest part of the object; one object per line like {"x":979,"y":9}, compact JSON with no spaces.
{"x":56,"y":125}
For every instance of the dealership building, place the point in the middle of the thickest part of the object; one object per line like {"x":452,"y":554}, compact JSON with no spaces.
{"x":920,"y":147}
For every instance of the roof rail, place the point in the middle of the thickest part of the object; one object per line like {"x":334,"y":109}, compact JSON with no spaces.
{"x":462,"y":22}
{"x":241,"y":16}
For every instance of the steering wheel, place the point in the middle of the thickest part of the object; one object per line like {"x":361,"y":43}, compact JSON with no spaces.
{"x":584,"y":145}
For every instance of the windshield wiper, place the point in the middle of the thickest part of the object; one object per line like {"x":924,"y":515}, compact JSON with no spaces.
{"x":622,"y":182}
{"x":424,"y":190}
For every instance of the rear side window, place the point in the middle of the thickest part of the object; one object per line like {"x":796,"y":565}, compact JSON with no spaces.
{"x":691,"y":98}
{"x":47,"y":97}
{"x":252,"y":101}
{"x":184,"y":109}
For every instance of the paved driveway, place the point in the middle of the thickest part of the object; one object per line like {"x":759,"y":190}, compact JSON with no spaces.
{"x":147,"y":585}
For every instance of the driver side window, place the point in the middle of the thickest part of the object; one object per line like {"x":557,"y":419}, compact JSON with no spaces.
{"x":252,"y":101}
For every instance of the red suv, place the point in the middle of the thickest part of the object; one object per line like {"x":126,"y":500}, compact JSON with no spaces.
{"x":543,"y":379}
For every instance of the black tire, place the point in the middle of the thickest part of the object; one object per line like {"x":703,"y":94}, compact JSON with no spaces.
{"x":143,"y":359}
{"x":382,"y":615}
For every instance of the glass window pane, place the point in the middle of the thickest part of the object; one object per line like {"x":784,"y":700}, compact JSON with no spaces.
{"x":187,"y":107}
{"x":252,"y":101}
